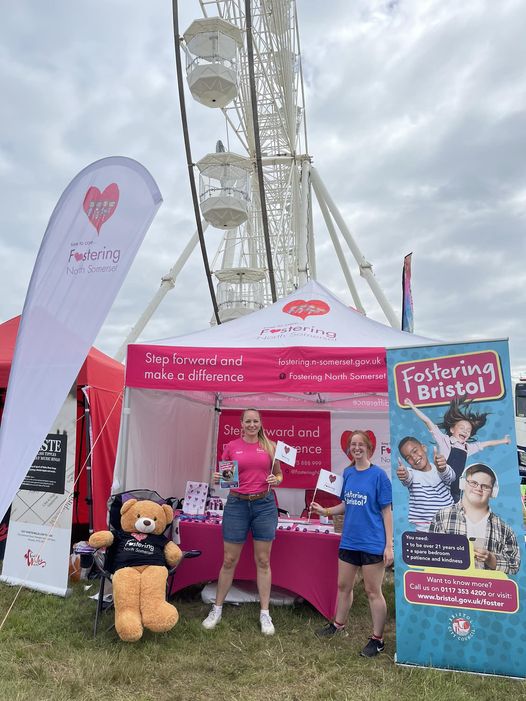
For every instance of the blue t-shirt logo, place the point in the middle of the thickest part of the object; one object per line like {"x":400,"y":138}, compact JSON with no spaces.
{"x":355,"y":498}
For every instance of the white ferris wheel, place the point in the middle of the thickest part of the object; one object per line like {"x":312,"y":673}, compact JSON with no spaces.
{"x":242,"y":59}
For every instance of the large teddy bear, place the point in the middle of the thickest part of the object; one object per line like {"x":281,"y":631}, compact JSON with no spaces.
{"x":142,"y":555}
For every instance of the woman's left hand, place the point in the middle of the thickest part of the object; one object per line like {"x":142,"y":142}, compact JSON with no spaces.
{"x":388,"y":555}
{"x":273,"y":480}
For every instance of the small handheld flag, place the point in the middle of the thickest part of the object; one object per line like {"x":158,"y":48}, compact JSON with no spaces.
{"x":329,"y":482}
{"x":285,"y":453}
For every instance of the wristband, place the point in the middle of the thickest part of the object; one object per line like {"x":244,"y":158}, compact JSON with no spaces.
{"x":327,"y":513}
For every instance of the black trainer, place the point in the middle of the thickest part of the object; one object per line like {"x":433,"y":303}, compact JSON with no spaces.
{"x":373,"y":647}
{"x":330,"y":630}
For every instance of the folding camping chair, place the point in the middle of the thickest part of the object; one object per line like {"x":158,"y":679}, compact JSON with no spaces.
{"x":104,"y":557}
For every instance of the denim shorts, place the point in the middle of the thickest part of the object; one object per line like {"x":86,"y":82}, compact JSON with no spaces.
{"x":359,"y":558}
{"x":241,"y":516}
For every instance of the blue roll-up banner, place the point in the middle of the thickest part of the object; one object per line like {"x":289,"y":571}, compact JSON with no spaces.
{"x":460,"y":562}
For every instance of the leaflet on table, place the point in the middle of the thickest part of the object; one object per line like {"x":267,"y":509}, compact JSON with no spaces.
{"x":193,"y":517}
{"x":215,"y":506}
{"x":195,"y":497}
{"x":228,"y":474}
{"x":304,"y":525}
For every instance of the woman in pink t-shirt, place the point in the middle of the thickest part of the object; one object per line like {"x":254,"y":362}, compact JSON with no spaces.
{"x":250,"y":507}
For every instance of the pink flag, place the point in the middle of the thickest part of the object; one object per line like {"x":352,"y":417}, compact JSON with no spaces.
{"x":90,"y":242}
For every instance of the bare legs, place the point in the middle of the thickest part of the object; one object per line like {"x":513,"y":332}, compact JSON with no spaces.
{"x":373,"y":576}
{"x":232,"y":553}
{"x":262,"y":550}
{"x":346,"y":577}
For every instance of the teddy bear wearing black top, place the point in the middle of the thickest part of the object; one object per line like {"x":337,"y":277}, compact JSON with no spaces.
{"x":141,"y":559}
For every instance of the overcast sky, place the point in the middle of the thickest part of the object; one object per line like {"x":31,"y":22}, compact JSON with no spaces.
{"x":416,"y":117}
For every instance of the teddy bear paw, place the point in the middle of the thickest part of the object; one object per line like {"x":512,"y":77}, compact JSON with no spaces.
{"x":129,"y":626}
{"x":162,"y":619}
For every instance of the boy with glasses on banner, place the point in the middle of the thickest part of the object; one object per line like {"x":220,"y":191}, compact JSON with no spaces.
{"x":495,"y":543}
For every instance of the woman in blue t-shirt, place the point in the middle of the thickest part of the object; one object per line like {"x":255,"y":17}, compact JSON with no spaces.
{"x":367,"y":539}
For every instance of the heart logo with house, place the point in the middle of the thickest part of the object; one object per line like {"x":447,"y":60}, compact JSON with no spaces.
{"x":100,"y":206}
{"x":304,"y":308}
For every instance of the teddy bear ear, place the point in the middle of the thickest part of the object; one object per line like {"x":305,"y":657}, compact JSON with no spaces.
{"x":127,"y":505}
{"x":168,"y":512}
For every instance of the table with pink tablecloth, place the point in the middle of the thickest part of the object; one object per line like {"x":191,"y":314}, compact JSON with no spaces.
{"x":303,"y":563}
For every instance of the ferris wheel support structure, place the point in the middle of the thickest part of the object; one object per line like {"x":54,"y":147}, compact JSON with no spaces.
{"x":339,"y":250}
{"x":366,"y":269}
{"x":167,"y":284}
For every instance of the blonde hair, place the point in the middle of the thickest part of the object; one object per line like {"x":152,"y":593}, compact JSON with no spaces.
{"x":263,"y":440}
{"x":367,"y":441}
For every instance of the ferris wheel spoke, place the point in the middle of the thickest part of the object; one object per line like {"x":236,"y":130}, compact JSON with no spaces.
{"x":189,"y":162}
{"x":259,"y":165}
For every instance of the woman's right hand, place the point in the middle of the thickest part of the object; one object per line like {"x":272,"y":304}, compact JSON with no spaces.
{"x":317,"y":508}
{"x":216,"y":477}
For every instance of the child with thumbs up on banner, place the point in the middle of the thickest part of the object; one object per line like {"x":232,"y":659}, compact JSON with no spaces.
{"x":429,"y":484}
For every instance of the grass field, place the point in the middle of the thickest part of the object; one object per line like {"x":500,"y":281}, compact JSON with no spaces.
{"x":47,"y":652}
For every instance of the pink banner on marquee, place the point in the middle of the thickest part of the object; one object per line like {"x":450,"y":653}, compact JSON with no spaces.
{"x":292,"y":369}
{"x":307,"y":431}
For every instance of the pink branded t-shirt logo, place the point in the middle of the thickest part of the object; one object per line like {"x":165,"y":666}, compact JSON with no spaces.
{"x":100,"y":206}
{"x":303,"y":308}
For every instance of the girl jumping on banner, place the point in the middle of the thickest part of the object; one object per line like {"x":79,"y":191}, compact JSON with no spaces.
{"x":456,"y":444}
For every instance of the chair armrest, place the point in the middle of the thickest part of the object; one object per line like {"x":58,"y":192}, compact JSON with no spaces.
{"x":99,"y":560}
{"x":189,"y":554}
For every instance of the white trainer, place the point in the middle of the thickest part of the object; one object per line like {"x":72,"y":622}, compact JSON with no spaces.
{"x":267,"y":627}
{"x":212,"y":619}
